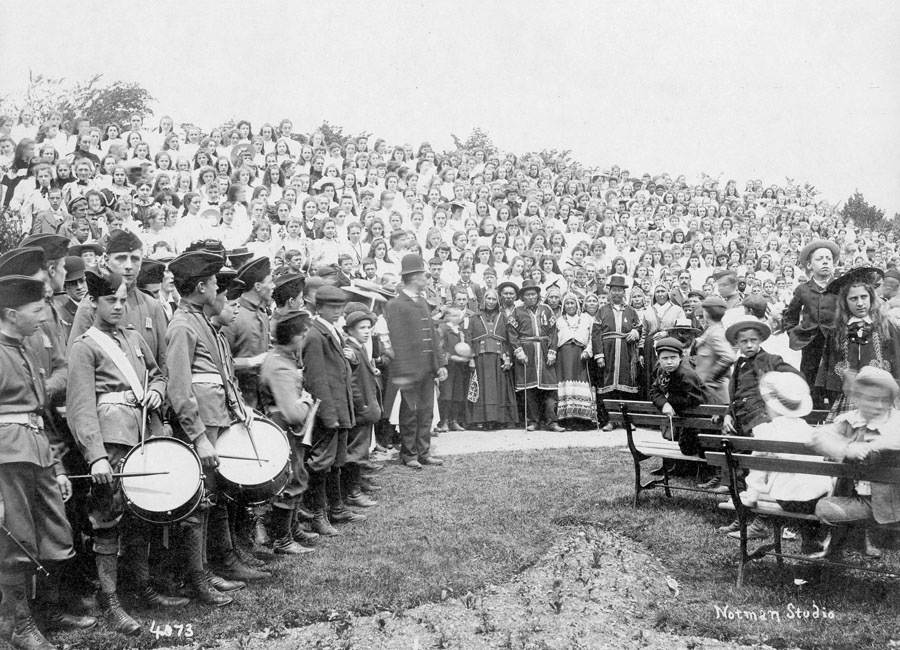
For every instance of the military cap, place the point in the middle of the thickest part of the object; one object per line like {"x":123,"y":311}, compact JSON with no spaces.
{"x":255,"y":271}
{"x":99,"y":286}
{"x":287,"y":286}
{"x":54,"y":246}
{"x":21,"y":261}
{"x":152,"y":272}
{"x":18,"y":290}
{"x":196,"y":264}
{"x":122,"y":241}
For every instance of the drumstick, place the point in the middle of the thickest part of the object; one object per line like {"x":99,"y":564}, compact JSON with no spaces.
{"x":253,"y":444}
{"x":123,"y":474}
{"x":261,"y":460}
{"x":144,"y":414}
{"x":24,"y":550}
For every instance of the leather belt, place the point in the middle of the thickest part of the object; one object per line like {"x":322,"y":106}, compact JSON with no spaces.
{"x":206,"y":378}
{"x":534,"y":339}
{"x":32,"y":420}
{"x":124,"y":398}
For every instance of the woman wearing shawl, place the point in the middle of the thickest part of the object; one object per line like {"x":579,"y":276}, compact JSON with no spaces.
{"x":491,"y":399}
{"x":575,"y":401}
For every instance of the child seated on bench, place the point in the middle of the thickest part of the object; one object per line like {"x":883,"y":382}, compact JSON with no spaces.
{"x":868,"y":433}
{"x":746,"y":409}
{"x":676,"y":389}
{"x":787,"y":400}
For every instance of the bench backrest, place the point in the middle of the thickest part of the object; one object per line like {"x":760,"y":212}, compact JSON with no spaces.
{"x":706,"y":417}
{"x":877,"y":472}
{"x":742,"y":444}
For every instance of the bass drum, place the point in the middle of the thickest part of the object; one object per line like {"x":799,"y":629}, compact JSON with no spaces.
{"x":249,"y":481}
{"x":164,"y":498}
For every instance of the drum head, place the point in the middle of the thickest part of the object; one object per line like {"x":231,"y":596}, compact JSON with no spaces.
{"x":271,"y":444}
{"x":165,"y":492}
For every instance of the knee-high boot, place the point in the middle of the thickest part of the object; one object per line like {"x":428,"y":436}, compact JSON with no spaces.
{"x":194,"y":543}
{"x":116,"y":617}
{"x":319,"y":503}
{"x":282,"y":523}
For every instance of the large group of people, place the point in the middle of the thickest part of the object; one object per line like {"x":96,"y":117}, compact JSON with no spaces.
{"x":250,"y":292}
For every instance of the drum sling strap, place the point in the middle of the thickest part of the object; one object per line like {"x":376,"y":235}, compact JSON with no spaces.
{"x":117,"y":356}
{"x":212,"y":342}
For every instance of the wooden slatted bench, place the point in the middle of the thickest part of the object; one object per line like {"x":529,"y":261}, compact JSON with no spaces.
{"x":632,"y":414}
{"x":733,"y":456}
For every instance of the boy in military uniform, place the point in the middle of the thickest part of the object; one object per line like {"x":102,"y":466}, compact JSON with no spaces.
{"x":205,"y":401}
{"x":105,"y":398}
{"x":33,"y":484}
{"x":249,"y":336}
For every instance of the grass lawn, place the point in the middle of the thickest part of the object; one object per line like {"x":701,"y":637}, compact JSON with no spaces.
{"x":482,"y":518}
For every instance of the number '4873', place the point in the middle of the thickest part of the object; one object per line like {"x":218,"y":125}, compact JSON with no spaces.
{"x":179,"y":630}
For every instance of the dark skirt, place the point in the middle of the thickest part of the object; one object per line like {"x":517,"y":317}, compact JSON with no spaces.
{"x":575,"y":395}
{"x":495,"y":397}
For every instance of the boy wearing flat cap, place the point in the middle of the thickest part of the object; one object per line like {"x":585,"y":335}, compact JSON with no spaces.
{"x":328,"y":377}
{"x":33,"y":484}
{"x":811,"y":311}
{"x":249,"y":336}
{"x":124,"y":256}
{"x":676,"y":389}
{"x":105,"y":396}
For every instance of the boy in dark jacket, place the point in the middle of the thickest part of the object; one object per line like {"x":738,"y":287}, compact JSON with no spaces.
{"x":366,"y":404}
{"x":676,"y":389}
{"x":746,"y":408}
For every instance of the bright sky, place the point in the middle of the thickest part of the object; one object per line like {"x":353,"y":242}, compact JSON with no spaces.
{"x":763,"y":89}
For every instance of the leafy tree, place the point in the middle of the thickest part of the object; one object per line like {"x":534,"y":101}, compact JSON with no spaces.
{"x":101,"y":104}
{"x":863,"y":214}
{"x":10,"y":230}
{"x":478,"y":139}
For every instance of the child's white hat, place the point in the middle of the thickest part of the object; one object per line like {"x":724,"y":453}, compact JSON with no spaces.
{"x":786,"y":394}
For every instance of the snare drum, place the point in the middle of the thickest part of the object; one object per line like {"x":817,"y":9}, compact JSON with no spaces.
{"x":164,"y":498}
{"x":248,"y":481}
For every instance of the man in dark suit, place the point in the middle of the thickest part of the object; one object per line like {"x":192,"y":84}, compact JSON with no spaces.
{"x":328,"y":377}
{"x":416,"y":363}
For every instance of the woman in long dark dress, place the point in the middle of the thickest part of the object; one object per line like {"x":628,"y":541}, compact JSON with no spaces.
{"x":491,"y":399}
{"x":575,"y":403}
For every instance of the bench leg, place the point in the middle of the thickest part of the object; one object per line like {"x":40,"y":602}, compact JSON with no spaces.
{"x":778,"y":529}
{"x":666,"y":478}
{"x":637,"y":480}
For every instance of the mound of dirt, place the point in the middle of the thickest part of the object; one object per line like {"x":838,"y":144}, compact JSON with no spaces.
{"x":593,"y":589}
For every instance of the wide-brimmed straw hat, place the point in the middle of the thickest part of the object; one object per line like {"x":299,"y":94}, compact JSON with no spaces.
{"x":786,"y":394}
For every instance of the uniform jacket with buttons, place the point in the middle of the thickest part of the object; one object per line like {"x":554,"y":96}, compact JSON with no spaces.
{"x":22,"y":391}
{"x":191,"y":343}
{"x":143,"y":314}
{"x":91,"y":374}
{"x":414,"y":339}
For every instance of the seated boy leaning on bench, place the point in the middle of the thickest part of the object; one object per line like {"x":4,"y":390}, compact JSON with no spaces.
{"x":868,"y":434}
